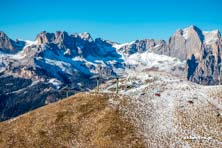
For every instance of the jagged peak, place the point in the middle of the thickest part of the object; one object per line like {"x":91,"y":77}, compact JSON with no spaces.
{"x":212,"y":36}
{"x":100,"y":40}
{"x":193,"y":27}
{"x":75,"y":35}
{"x":207,"y":37}
{"x":9,"y":45}
{"x":215,"y":32}
{"x":186,"y":32}
{"x":45,"y":37}
{"x":109,"y":42}
{"x":3,"y":35}
{"x":60,"y":36}
{"x":86,"y":36}
{"x":120,"y":45}
{"x":61,"y":33}
{"x":43,"y":33}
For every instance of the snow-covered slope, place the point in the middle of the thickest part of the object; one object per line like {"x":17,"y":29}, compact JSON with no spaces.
{"x":151,"y":61}
{"x":119,"y":46}
{"x":169,"y":111}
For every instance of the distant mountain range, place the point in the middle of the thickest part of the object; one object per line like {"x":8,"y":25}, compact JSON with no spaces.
{"x":35,"y":73}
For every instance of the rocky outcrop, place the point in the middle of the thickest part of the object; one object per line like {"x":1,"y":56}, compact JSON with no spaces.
{"x":202,"y":50}
{"x":209,"y":68}
{"x":86,"y":36}
{"x":139,"y":46}
{"x":72,"y":45}
{"x":45,"y":37}
{"x":185,"y":43}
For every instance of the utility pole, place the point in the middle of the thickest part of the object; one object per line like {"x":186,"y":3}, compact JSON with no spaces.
{"x":184,"y":76}
{"x":97,"y":77}
{"x":220,"y":74}
{"x":117,"y":85}
{"x":66,"y":89}
{"x":67,"y":93}
{"x":220,"y":65}
{"x":97,"y":83}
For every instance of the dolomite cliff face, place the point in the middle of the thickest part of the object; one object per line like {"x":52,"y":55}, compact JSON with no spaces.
{"x":202,"y":50}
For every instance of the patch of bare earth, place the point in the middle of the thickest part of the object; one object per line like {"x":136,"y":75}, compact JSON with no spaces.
{"x":200,"y":126}
{"x":83,"y":120}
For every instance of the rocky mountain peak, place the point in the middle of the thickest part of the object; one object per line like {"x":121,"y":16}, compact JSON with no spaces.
{"x":140,"y":46}
{"x":45,"y":37}
{"x":7,"y":45}
{"x":186,"y":42}
{"x":86,"y":36}
{"x":62,"y":37}
{"x":194,"y":27}
{"x":189,"y":33}
{"x":102,"y":41}
{"x":59,"y":37}
{"x":211,"y":36}
{"x":3,"y":35}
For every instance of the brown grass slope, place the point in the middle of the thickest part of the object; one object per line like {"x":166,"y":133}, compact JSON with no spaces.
{"x":83,"y":120}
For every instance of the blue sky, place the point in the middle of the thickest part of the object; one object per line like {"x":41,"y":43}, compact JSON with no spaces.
{"x":117,"y":20}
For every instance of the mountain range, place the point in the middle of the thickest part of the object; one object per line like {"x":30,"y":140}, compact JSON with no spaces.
{"x":36,"y":73}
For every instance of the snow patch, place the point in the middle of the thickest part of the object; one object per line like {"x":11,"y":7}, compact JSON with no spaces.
{"x":151,"y":60}
{"x":29,"y":43}
{"x":118,"y":46}
{"x":211,"y":37}
{"x":55,"y":82}
{"x":186,"y":33}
